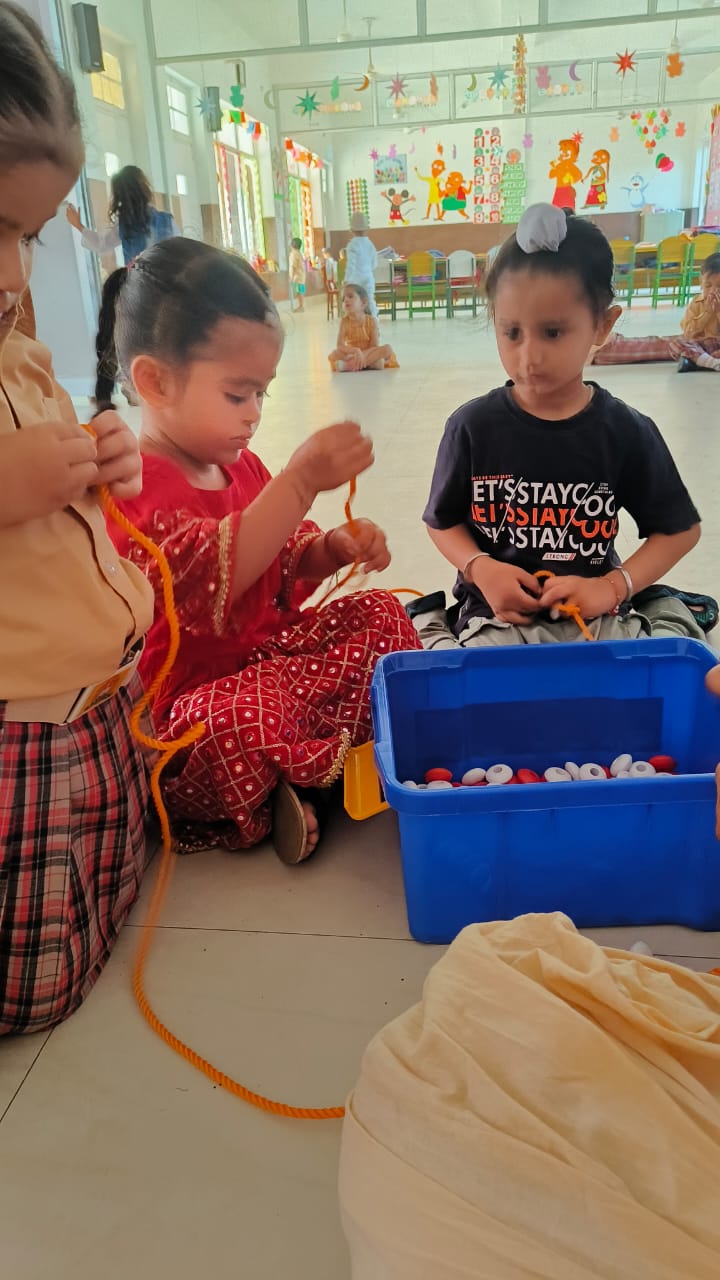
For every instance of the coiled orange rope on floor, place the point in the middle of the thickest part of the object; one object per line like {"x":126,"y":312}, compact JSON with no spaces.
{"x":166,"y":751}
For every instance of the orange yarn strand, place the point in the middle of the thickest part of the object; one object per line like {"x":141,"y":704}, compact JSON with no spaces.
{"x":569,"y":610}
{"x":166,"y":751}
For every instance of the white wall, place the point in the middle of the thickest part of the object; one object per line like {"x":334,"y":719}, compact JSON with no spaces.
{"x":671,"y":190}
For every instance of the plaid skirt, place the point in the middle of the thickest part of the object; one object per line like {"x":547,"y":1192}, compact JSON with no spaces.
{"x":73,"y":805}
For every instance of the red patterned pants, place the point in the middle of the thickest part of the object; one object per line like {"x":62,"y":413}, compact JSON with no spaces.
{"x":293,"y":711}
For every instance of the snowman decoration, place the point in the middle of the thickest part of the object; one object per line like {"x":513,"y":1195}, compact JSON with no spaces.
{"x":636,"y":191}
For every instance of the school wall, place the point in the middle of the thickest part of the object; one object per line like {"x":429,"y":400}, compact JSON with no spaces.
{"x":634,"y":178}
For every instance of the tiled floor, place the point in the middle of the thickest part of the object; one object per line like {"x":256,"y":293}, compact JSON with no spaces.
{"x":117,"y":1159}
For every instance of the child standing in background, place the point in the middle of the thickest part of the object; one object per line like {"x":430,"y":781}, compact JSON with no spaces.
{"x":358,"y":344}
{"x":297,"y":275}
{"x":73,"y":787}
{"x":283,"y":694}
{"x":361,"y":259}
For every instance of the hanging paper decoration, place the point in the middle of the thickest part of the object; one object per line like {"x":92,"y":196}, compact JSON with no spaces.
{"x":488,"y":163}
{"x":434,"y":91}
{"x":357,"y":196}
{"x":614,"y":134}
{"x":237,"y":96}
{"x":711,"y":217}
{"x":365,"y":85}
{"x":664,"y":163}
{"x":513,"y":185}
{"x":527,"y":141}
{"x":472,"y":93}
{"x":577,"y":137}
{"x":674,"y":65}
{"x":306,"y":105}
{"x":624,"y":62}
{"x":497,"y":80}
{"x":680,"y":129}
{"x":374,"y":154}
{"x":454,"y":152}
{"x":392,"y":151}
{"x":651,"y":126}
{"x":543,"y":79}
{"x":398,"y":87}
{"x":210,"y":109}
{"x":519,"y":75}
{"x":289,"y":144}
{"x":335,"y":89}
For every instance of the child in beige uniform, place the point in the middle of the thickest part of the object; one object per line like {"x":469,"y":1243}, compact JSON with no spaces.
{"x":73,"y":791}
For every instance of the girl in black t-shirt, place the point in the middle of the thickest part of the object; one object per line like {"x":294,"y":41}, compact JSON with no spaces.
{"x":530,"y":479}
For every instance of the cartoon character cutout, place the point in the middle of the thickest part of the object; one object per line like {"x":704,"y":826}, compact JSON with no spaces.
{"x":565,"y":174}
{"x":637,"y":190}
{"x":598,"y":173}
{"x":396,"y":200}
{"x":433,"y":180}
{"x":455,"y":195}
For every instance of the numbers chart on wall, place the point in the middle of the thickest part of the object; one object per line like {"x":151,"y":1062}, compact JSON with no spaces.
{"x":487,"y":175}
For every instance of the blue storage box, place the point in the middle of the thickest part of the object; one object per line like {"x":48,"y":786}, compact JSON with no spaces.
{"x":607,"y":853}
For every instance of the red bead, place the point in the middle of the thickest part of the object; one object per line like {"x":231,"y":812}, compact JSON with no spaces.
{"x":527,"y":775}
{"x":438,"y":775}
{"x":607,"y":771}
{"x":662,"y":764}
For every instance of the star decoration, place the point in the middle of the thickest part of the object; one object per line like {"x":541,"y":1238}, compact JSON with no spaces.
{"x":307,"y":104}
{"x":527,"y":141}
{"x":577,"y":137}
{"x":674,"y":65}
{"x":498,"y":78}
{"x":209,"y":111}
{"x":374,"y":153}
{"x":614,"y":134}
{"x":398,"y":87}
{"x":624,"y":62}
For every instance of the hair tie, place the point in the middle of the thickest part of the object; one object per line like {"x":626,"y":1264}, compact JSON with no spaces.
{"x":543,"y":227}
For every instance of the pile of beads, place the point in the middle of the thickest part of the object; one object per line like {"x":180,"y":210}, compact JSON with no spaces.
{"x":502,"y":775}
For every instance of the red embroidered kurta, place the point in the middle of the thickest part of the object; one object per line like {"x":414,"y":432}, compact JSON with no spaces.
{"x":280,"y":690}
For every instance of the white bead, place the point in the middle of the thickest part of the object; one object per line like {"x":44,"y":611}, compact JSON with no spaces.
{"x":620,"y":764}
{"x":641,"y":949}
{"x":642,"y":769}
{"x":660,"y":774}
{"x":439,"y":786}
{"x":619,"y":776}
{"x":472,"y":777}
{"x":413,"y":785}
{"x":573,"y":769}
{"x":592,"y":773}
{"x":555,"y":614}
{"x":554,"y":774}
{"x":498,"y":775}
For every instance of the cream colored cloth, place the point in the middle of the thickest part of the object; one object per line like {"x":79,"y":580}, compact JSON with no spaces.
{"x":549,"y":1111}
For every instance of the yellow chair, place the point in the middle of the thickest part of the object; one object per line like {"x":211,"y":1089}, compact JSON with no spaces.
{"x":623,"y":252}
{"x":421,"y":282}
{"x":702,"y":247}
{"x":673,"y":256}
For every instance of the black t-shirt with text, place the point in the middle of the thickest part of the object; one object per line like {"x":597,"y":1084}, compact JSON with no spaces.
{"x":546,"y":495}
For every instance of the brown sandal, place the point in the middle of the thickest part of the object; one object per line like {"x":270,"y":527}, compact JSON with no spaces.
{"x":289,"y":828}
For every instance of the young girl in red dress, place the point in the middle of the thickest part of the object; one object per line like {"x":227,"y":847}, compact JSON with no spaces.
{"x":283,"y":693}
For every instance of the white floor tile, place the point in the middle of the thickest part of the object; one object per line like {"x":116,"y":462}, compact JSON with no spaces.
{"x":17,"y":1055}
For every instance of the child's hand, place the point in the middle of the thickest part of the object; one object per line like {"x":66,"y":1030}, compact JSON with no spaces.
{"x":353,"y":358}
{"x":593,"y":596}
{"x":509,"y":590}
{"x":44,"y":468}
{"x":331,"y":457}
{"x":118,"y":455}
{"x":366,"y":545}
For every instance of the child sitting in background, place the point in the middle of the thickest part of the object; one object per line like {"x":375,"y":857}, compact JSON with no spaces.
{"x":358,"y":345}
{"x":296,"y":275}
{"x":530,"y":479}
{"x":283,"y":694}
{"x":698,"y":347}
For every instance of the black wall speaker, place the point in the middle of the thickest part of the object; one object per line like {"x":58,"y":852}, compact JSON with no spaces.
{"x":87,"y":30}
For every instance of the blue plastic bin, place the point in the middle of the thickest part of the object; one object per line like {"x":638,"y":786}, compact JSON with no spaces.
{"x":606,"y":853}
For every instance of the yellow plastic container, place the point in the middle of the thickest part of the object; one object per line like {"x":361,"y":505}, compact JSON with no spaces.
{"x":363,"y":793}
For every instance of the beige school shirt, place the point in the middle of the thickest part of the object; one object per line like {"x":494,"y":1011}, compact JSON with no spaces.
{"x":69,"y":605}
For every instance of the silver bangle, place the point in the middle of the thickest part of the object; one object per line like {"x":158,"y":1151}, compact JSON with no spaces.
{"x":478,"y":556}
{"x":630,"y":589}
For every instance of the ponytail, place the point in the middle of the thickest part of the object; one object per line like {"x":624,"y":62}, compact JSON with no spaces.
{"x":107,"y":362}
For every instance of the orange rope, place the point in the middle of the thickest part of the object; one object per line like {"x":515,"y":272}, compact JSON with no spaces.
{"x":569,"y":610}
{"x":354,"y":567}
{"x":166,"y":751}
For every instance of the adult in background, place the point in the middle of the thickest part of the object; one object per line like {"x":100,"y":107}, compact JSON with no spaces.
{"x":362,"y":259}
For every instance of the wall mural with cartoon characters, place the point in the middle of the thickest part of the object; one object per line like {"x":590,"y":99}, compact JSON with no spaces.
{"x":488,"y":172}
